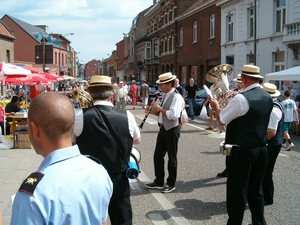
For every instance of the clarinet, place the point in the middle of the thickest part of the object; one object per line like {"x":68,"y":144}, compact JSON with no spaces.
{"x":146,"y":116}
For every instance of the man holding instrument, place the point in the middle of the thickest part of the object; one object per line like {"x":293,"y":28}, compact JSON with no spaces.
{"x":246,"y":116}
{"x":168,"y":114}
{"x":108,"y":133}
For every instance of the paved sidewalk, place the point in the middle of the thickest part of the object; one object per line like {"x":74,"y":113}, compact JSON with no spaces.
{"x":15,"y":166}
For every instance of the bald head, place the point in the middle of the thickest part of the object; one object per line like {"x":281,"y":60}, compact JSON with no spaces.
{"x":54,"y":114}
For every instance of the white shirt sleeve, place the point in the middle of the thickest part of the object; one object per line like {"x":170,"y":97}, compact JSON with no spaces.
{"x":176,"y":107}
{"x":275,"y":117}
{"x":78,"y":127}
{"x":237,"y":106}
{"x":133,"y":128}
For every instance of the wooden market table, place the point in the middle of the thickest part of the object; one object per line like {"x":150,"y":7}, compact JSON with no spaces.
{"x":18,"y":120}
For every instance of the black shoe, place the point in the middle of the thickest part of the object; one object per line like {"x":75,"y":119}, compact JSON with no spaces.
{"x":192,"y":118}
{"x":154,"y":185}
{"x":223,"y":174}
{"x":268,"y":203}
{"x":168,"y":189}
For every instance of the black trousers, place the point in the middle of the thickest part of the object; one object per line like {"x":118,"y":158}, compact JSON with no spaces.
{"x":7,"y":128}
{"x":119,"y":209}
{"x":166,"y":142}
{"x":268,"y":184}
{"x":246,"y":169}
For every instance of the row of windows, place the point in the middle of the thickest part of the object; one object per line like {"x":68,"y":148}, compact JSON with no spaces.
{"x":280,"y":20}
{"x":195,"y":30}
{"x":167,"y":42}
{"x":167,"y":16}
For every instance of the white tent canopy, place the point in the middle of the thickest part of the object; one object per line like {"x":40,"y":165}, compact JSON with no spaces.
{"x":292,"y":74}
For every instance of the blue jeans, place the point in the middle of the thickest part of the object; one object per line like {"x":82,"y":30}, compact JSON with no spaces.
{"x":191,"y":102}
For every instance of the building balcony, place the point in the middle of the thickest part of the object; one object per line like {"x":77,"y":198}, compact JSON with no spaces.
{"x":155,"y":60}
{"x":148,"y":61}
{"x":139,"y":63}
{"x":291,"y":33}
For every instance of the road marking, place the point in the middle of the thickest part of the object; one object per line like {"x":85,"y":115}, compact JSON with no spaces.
{"x":192,"y":125}
{"x":149,"y":120}
{"x":163,"y":201}
{"x":284,"y":155}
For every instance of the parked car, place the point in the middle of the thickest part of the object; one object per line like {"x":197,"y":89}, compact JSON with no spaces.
{"x":201,"y":97}
{"x":153,"y":93}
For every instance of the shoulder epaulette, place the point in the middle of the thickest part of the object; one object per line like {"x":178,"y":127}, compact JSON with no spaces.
{"x":30,"y":183}
{"x":94,"y":158}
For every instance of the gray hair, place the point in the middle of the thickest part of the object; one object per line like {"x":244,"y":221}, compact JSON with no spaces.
{"x":101,"y":92}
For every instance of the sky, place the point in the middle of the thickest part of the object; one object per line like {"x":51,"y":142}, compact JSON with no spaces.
{"x":97,"y":24}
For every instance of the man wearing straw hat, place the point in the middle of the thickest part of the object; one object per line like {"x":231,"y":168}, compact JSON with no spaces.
{"x":239,"y":87}
{"x":108,"y":133}
{"x":275,"y":137}
{"x":247,"y":124}
{"x":168,"y":114}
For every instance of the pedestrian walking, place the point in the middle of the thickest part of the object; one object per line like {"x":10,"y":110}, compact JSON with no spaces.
{"x":179,"y":88}
{"x":168,"y":114}
{"x":290,"y":115}
{"x":133,"y":93}
{"x":247,"y":123}
{"x":191,"y":91}
{"x":67,"y":188}
{"x":121,"y":95}
{"x":144,"y":93}
{"x":108,"y":134}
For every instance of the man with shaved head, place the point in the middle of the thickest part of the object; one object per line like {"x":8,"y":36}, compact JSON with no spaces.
{"x":68,"y":188}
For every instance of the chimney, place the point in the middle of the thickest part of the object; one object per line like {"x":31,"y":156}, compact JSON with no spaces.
{"x":154,"y":2}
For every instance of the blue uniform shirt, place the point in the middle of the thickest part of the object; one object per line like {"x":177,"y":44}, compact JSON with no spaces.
{"x":73,"y":190}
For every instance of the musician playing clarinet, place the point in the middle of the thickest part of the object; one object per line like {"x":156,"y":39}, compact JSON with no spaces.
{"x":108,"y":133}
{"x":246,"y":116}
{"x":168,"y":114}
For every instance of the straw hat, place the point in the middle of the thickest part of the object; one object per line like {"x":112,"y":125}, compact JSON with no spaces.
{"x":271,"y":89}
{"x":101,"y":80}
{"x":165,"y":78}
{"x":251,"y":71}
{"x":238,"y":78}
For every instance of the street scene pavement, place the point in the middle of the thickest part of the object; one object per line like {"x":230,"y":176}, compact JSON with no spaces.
{"x":199,"y":198}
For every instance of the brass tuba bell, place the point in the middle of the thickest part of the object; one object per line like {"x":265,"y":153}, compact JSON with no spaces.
{"x":220,"y":75}
{"x":84,"y":98}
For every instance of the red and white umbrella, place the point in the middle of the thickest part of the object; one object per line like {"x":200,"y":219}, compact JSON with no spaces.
{"x":10,"y":70}
{"x":51,"y":76}
{"x":34,"y":79}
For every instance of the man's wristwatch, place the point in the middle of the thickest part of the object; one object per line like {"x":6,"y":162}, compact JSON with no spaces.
{"x":161,"y":109}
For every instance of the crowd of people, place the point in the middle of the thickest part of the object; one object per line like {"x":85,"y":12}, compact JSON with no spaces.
{"x":75,"y":154}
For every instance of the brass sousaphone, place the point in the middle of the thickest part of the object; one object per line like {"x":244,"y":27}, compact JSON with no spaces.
{"x":84,"y":98}
{"x":220,"y":75}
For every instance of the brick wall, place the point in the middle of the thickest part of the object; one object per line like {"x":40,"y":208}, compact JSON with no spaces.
{"x":24,"y":45}
{"x":206,"y":52}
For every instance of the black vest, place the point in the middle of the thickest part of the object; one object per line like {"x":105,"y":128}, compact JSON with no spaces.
{"x":278,"y":138}
{"x":250,"y":130}
{"x":97,"y":140}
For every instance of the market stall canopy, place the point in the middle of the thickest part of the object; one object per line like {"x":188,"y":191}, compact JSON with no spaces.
{"x":291,"y":74}
{"x":33,"y":80}
{"x":10,"y":70}
{"x":51,"y":76}
{"x":66,"y":77}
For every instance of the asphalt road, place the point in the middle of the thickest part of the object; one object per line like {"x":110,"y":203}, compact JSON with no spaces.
{"x":199,"y":197}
